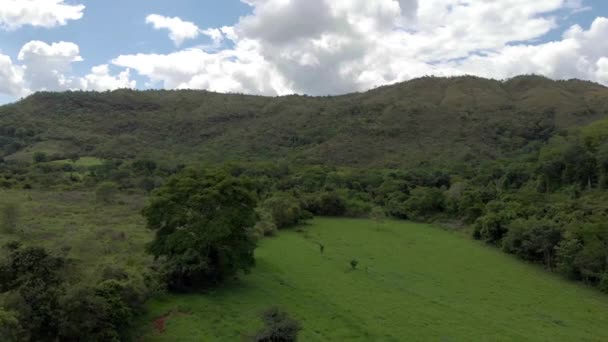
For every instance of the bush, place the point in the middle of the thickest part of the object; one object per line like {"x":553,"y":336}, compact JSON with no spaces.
{"x":534,"y":240}
{"x":106,"y":192}
{"x":326,"y":204}
{"x":285,"y":210}
{"x":424,"y":202}
{"x":40,"y":157}
{"x":279,"y":327}
{"x":102,"y":313}
{"x":265,"y":225}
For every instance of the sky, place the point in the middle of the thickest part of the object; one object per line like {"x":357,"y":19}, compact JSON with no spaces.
{"x":278,"y":47}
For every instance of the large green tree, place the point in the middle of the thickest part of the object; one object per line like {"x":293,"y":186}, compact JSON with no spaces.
{"x":203,"y":221}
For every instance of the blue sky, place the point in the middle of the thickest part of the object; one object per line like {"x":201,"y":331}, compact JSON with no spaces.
{"x":276,"y":47}
{"x":113,"y":27}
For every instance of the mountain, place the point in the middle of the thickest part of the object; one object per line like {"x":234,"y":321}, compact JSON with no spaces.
{"x":427,"y":120}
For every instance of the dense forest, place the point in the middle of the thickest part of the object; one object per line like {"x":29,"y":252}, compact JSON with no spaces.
{"x":520,"y":164}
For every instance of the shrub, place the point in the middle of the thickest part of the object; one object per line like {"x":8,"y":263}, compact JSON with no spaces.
{"x":285,"y":210}
{"x":424,"y":202}
{"x":265,"y":225}
{"x":534,"y":240}
{"x":106,"y":192}
{"x":40,"y":157}
{"x":279,"y":327}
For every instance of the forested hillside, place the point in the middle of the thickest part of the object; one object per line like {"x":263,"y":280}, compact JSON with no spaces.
{"x":428,"y":120}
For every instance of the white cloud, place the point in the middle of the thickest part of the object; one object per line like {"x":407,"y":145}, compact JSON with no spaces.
{"x":40,"y":13}
{"x":11,"y":77}
{"x":46,"y":65}
{"x":100,"y":79}
{"x":42,"y":66}
{"x":179,"y":30}
{"x":240,"y":70}
{"x":338,"y":46}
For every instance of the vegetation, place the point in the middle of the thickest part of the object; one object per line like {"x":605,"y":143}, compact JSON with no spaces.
{"x":423,"y":121}
{"x":203,"y":223}
{"x":278,"y":327}
{"x":521,"y":165}
{"x":9,"y":217}
{"x":399,"y":297}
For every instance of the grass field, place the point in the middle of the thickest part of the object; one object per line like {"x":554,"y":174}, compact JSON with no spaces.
{"x":414,"y":282}
{"x":74,"y":224}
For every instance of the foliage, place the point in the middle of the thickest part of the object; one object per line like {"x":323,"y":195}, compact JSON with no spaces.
{"x":424,"y":202}
{"x":265,"y":225}
{"x":285,"y":210}
{"x":40,"y":157}
{"x":279,"y":327}
{"x":203,"y":221}
{"x":533,"y":239}
{"x":106,"y":192}
{"x":35,"y":280}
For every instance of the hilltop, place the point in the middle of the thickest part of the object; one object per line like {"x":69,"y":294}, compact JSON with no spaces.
{"x":427,"y":120}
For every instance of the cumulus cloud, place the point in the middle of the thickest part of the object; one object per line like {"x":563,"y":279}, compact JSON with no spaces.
{"x":179,"y":30}
{"x":101,"y":79}
{"x":240,"y":70}
{"x":40,"y":13}
{"x":42,"y":66}
{"x":338,"y":46}
{"x":11,"y":77}
{"x":46,"y":65}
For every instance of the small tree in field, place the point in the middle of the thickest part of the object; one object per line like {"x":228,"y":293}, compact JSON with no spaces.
{"x":9,"y":217}
{"x":106,"y":192}
{"x":354,"y":263}
{"x":203,"y":222}
{"x":377,"y":214}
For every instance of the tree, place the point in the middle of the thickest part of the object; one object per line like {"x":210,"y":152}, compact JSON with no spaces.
{"x":377,"y":214}
{"x":424,"y":202}
{"x":265,"y":225}
{"x":73,"y":157}
{"x":203,"y":221}
{"x":285,"y":210}
{"x":40,"y":157}
{"x":9,"y":217}
{"x":35,"y":278}
{"x":145,"y":166}
{"x":102,"y":313}
{"x":533,"y":240}
{"x":106,"y":192}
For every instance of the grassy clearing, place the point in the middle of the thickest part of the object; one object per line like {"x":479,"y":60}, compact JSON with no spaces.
{"x":82,"y":162}
{"x":74,"y":224}
{"x":413,"y":282}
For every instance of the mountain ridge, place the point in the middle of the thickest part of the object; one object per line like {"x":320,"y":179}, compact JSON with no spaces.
{"x":427,"y":120}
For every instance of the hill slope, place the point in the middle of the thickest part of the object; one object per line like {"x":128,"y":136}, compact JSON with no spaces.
{"x":434,"y":120}
{"x":413,"y":283}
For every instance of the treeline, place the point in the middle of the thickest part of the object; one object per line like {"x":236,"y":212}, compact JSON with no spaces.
{"x":44,"y":300}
